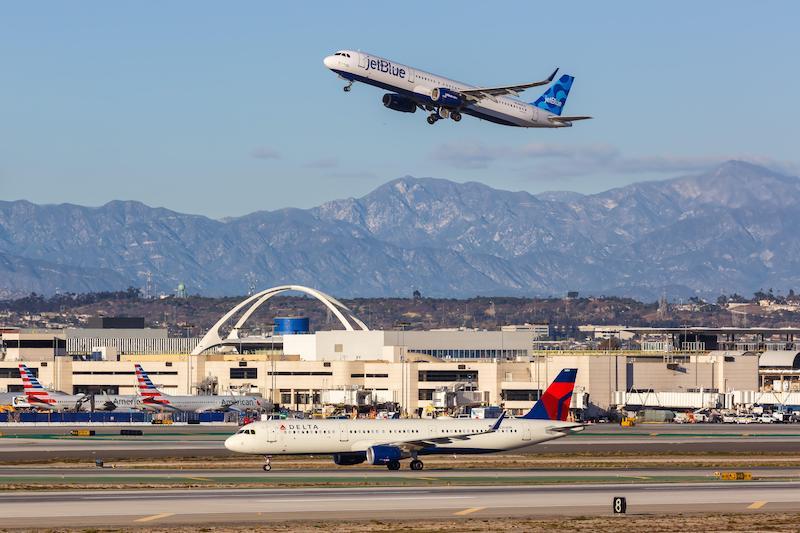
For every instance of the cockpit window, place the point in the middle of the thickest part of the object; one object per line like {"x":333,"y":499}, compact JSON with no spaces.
{"x":343,"y":54}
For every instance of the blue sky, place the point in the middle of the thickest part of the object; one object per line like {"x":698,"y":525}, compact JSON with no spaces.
{"x":225,"y":108}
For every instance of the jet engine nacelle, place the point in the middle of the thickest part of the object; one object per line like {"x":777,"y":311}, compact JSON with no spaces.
{"x":396,"y":102}
{"x":349,"y":459}
{"x":446,"y":97}
{"x":381,"y":455}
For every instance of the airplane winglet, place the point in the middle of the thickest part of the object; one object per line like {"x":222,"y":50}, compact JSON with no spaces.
{"x":496,"y":425}
{"x":553,"y":75}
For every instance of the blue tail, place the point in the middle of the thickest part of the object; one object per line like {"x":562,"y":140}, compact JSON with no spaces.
{"x":556,"y":96}
{"x":554,"y":403}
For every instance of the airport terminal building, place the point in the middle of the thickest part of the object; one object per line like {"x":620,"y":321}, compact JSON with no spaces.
{"x":437,"y":370}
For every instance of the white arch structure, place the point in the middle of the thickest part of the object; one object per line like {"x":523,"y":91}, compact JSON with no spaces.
{"x":213,"y":338}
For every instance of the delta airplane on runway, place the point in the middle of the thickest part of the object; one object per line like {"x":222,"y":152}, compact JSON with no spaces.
{"x":38,"y":396}
{"x":386,"y":442}
{"x":412,"y":88}
{"x":152,"y":399}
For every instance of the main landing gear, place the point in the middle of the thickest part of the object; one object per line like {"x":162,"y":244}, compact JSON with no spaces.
{"x":267,"y":466}
{"x":443,"y":113}
{"x":415,"y":464}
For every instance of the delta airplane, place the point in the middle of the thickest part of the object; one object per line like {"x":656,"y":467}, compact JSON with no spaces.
{"x":386,"y":442}
{"x":413,"y":88}
{"x":38,"y":396}
{"x":152,"y":399}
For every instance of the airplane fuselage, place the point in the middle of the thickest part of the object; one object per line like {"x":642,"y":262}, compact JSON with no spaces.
{"x":293,"y":436}
{"x":419,"y":86}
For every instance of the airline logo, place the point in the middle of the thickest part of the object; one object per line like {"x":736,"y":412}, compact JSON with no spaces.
{"x":33,"y":389}
{"x":381,"y":65}
{"x":553,"y":101}
{"x":554,"y":403}
{"x":147,"y":390}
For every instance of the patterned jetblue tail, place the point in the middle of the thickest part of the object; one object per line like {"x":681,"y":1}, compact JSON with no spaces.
{"x":34,"y":391}
{"x":556,"y":96}
{"x":554,"y":403}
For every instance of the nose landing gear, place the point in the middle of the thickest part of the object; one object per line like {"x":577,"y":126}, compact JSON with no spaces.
{"x":267,"y":466}
{"x":347,"y":87}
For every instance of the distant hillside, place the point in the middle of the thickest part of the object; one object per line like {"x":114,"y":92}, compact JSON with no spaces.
{"x":731,"y":229}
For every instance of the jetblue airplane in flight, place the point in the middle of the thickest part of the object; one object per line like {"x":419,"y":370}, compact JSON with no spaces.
{"x":445,"y":98}
{"x":386,"y":442}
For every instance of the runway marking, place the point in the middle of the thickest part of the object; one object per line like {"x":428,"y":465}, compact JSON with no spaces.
{"x":429,"y":478}
{"x":200,"y":478}
{"x":153,"y":517}
{"x":312,"y":499}
{"x":469,"y":511}
{"x":757,"y":505}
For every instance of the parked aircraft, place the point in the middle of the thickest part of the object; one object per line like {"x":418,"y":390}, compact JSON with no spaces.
{"x":38,"y":396}
{"x":387,"y":442}
{"x":152,"y":399}
{"x":412,"y":88}
{"x":13,"y":400}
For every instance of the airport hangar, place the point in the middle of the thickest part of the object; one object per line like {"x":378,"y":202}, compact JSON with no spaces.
{"x":678,"y":368}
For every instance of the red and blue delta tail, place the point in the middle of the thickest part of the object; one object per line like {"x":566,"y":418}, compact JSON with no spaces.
{"x":554,"y":403}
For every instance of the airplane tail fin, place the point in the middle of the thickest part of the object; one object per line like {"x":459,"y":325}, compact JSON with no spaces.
{"x":554,"y":403}
{"x":146,"y":386}
{"x":555,"y":97}
{"x":31,"y":386}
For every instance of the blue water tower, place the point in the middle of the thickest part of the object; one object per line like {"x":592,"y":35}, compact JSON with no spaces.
{"x":291,"y":325}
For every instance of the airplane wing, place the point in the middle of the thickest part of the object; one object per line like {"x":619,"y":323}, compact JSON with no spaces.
{"x":446,"y":439}
{"x":508,"y":90}
{"x":564,"y":119}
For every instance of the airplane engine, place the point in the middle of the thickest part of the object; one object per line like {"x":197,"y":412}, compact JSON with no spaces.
{"x":381,"y":455}
{"x":349,"y":459}
{"x":446,"y":97}
{"x":396,"y":102}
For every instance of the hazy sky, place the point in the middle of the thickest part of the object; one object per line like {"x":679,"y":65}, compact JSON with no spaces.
{"x":224,"y":108}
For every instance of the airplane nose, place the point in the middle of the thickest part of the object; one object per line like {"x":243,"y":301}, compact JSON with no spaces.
{"x":231,"y":442}
{"x":329,"y":62}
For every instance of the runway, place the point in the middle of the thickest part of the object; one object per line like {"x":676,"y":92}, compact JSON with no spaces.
{"x":21,"y":443}
{"x":230,"y":506}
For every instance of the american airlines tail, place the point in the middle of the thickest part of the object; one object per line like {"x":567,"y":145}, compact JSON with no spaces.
{"x":554,"y":403}
{"x":555,"y":97}
{"x":33,"y":389}
{"x":148,"y":391}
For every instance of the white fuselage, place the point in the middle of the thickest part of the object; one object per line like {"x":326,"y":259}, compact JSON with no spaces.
{"x":419,"y":84}
{"x":295,"y":436}
{"x":202,"y":403}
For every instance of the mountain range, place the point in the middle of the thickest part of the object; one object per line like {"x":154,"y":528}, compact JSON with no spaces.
{"x":734,"y":228}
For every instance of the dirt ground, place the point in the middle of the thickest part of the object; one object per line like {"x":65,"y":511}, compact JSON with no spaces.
{"x":511,"y":461}
{"x":649,"y":523}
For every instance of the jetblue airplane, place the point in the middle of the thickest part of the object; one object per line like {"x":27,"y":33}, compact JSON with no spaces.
{"x":386,"y":442}
{"x":412,"y":88}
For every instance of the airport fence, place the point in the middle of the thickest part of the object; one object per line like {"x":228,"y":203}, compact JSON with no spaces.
{"x":132,"y":417}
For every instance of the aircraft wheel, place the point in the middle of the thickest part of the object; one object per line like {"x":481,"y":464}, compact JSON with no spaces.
{"x":393,"y":465}
{"x":456,"y":116}
{"x":346,"y":88}
{"x":267,"y":468}
{"x":432,"y":120}
{"x":416,"y":464}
